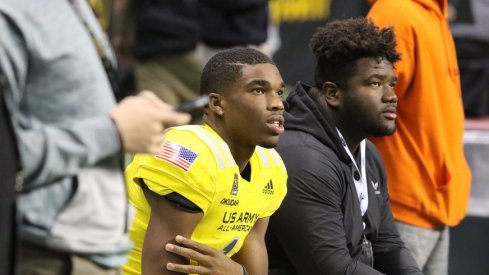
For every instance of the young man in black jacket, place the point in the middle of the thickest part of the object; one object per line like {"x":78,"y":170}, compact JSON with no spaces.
{"x":336,"y":217}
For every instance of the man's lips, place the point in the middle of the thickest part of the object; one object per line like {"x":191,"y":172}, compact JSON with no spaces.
{"x":276,"y":124}
{"x":390,"y":113}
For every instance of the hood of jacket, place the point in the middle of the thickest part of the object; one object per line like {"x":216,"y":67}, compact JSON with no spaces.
{"x":304,"y":113}
{"x":438,"y":6}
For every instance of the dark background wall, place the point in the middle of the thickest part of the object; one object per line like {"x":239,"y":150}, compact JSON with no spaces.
{"x":294,"y":59}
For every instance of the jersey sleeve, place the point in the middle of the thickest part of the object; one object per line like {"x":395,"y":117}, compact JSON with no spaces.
{"x":184,"y":165}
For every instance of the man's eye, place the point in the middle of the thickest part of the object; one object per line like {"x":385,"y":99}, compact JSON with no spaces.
{"x":392,"y":85}
{"x":280,"y":93}
{"x":375,"y":84}
{"x":258,"y":91}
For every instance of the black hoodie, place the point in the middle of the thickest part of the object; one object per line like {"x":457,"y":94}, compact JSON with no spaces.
{"x":319,"y":227}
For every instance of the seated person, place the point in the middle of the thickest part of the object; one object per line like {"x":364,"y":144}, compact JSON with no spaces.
{"x":215,"y":184}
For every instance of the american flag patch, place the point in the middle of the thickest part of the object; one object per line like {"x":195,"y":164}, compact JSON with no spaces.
{"x":177,"y":155}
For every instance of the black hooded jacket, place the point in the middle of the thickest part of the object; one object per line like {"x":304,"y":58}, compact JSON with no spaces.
{"x":319,"y":227}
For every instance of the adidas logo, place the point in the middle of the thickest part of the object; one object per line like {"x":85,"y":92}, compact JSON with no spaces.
{"x":268,"y":189}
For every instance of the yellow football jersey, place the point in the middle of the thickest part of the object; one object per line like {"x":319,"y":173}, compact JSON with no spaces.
{"x":196,"y":163}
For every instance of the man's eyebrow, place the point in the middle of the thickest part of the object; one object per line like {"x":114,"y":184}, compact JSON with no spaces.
{"x":381,"y":76}
{"x":263,"y":82}
{"x":260,"y":82}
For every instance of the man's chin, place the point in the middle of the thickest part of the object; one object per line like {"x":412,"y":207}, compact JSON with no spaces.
{"x":384,"y":131}
{"x":270,"y":143}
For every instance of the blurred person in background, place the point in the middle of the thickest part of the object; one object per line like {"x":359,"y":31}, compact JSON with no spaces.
{"x":469,"y":25}
{"x":429,"y":179}
{"x":227,"y":24}
{"x":71,"y":137}
{"x":162,"y":37}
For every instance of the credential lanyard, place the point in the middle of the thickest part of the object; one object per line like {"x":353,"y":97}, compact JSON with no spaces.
{"x":360,"y":179}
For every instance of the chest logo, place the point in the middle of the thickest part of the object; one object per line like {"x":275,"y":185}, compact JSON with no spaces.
{"x":268,"y":189}
{"x":234,"y":190}
{"x":375,"y":185}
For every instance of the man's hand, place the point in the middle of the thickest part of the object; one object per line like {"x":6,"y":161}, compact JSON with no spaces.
{"x":141,"y":121}
{"x":210,"y":261}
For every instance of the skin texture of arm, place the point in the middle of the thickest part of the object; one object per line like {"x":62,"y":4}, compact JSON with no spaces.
{"x":161,"y":230}
{"x":253,"y":253}
{"x":211,"y":261}
{"x":160,"y":235}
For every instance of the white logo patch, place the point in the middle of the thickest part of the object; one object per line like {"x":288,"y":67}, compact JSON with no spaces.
{"x":375,"y":186}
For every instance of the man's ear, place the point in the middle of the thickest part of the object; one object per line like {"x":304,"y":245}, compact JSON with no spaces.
{"x":215,"y":104}
{"x":331,"y":93}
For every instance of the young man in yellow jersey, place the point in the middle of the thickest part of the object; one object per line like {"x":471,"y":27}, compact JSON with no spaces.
{"x":214,"y":185}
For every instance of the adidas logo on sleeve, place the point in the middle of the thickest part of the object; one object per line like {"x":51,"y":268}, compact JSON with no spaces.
{"x":268,"y":189}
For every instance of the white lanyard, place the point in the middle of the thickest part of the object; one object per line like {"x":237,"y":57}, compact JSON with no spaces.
{"x":360,"y":179}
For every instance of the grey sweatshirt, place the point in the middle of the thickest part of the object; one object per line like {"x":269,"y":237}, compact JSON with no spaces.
{"x":59,"y":97}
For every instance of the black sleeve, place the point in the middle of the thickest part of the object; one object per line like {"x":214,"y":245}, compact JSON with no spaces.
{"x":182,"y":203}
{"x":390,"y":254}
{"x":309,"y":223}
{"x":179,"y":201}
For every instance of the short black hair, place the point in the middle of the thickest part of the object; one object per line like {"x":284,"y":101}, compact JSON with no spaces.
{"x":224,"y":68}
{"x":339,"y":44}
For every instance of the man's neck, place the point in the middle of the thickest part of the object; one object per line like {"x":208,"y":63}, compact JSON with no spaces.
{"x":241,"y":153}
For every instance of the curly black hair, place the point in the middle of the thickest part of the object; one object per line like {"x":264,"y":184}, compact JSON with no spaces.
{"x":224,"y":68}
{"x":338,"y":45}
